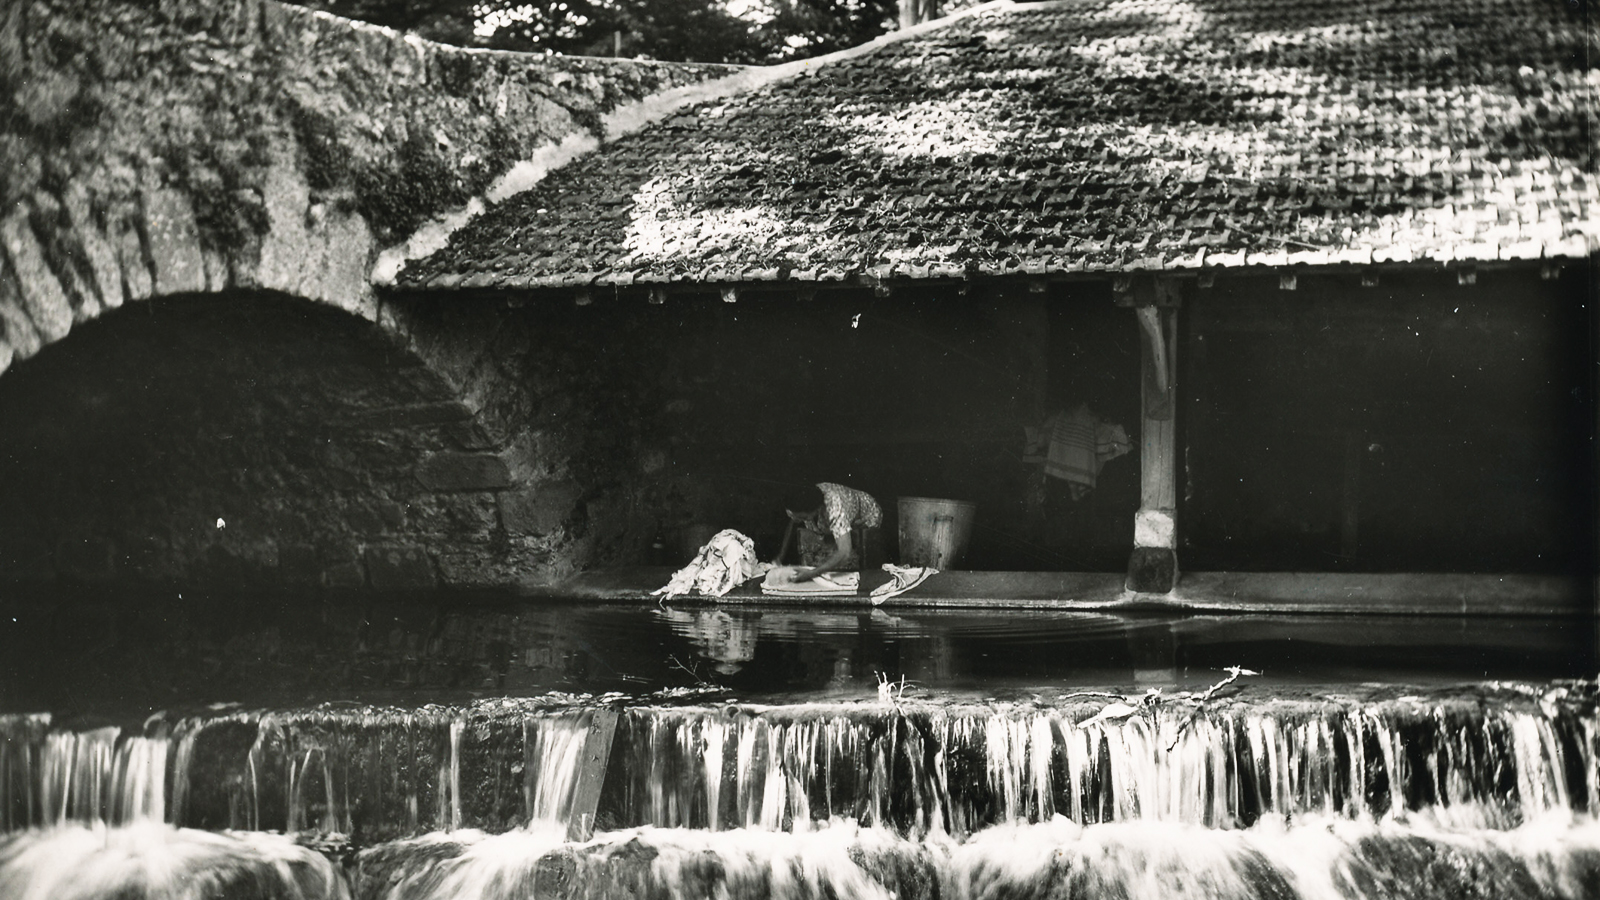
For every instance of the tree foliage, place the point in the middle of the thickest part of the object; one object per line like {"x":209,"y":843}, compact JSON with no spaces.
{"x":734,"y":31}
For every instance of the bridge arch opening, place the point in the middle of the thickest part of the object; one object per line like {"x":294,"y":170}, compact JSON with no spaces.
{"x":240,"y":440}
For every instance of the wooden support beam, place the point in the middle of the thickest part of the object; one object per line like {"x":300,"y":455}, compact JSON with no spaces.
{"x":591,"y":774}
{"x":1159,"y":373}
{"x":1153,"y":567}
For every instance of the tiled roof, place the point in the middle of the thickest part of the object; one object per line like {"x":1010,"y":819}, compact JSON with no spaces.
{"x":1094,"y":136}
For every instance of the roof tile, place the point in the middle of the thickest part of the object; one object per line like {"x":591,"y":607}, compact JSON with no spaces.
{"x":1092,"y":135}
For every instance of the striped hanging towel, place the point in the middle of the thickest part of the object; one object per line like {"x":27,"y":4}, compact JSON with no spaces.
{"x":1080,"y":444}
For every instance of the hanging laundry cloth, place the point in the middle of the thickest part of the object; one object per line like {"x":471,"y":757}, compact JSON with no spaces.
{"x":725,"y":562}
{"x":1079,"y":445}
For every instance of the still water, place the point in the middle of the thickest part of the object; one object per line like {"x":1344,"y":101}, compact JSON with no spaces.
{"x":442,"y":748}
{"x":123,"y":656}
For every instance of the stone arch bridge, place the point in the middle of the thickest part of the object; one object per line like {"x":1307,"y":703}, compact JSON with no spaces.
{"x":199,"y":384}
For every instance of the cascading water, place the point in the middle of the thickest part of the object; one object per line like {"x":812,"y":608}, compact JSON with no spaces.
{"x":1486,"y":793}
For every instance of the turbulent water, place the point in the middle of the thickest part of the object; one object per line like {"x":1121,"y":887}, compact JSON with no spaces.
{"x":1489,"y":792}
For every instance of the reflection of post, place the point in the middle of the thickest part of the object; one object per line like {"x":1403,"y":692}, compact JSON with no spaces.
{"x":930,"y":662}
{"x":1153,"y":567}
{"x":942,"y":655}
{"x":1152,"y":649}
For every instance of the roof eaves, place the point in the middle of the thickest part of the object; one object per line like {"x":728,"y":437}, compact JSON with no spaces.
{"x":625,"y":120}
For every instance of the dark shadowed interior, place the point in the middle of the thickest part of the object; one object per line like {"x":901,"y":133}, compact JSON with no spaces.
{"x":1415,"y":425}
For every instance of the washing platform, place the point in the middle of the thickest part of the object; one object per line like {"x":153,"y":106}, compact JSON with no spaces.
{"x":1264,"y":592}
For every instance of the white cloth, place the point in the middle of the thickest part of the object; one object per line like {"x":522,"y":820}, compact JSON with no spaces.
{"x":901,"y":579}
{"x":780,"y":583}
{"x":1079,"y":445}
{"x":725,"y":562}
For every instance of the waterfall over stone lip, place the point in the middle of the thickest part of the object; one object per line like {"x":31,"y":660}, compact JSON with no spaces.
{"x":1320,"y":796}
{"x":916,"y":768}
{"x":1318,"y":859}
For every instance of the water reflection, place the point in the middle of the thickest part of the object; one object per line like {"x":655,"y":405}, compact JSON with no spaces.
{"x":956,"y":650}
{"x":728,"y":639}
{"x":92,"y":656}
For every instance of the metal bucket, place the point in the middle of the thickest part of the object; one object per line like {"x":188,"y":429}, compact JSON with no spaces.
{"x":934,"y":532}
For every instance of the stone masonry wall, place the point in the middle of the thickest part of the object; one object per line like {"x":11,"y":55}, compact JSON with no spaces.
{"x":262,"y":441}
{"x":201,"y":145}
{"x":260,"y":157}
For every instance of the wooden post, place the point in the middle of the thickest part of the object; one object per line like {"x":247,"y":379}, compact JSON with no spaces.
{"x":591,"y":774}
{"x":1153,"y":567}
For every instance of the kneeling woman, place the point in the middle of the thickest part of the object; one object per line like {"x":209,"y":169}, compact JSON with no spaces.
{"x":845,"y":531}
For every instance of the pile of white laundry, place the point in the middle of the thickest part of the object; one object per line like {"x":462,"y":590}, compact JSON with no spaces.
{"x":725,"y":562}
{"x":729,"y":560}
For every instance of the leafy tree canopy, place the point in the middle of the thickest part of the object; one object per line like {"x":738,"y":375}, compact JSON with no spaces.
{"x":733,"y":31}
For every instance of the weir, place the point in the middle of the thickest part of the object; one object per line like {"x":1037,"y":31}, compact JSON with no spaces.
{"x":1366,"y":793}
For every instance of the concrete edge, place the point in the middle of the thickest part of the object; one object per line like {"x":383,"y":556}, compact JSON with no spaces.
{"x":1323,"y":593}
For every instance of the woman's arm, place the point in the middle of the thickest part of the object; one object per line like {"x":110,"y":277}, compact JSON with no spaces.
{"x":841,"y":552}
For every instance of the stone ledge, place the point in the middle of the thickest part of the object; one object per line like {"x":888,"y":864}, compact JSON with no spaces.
{"x":1400,"y":593}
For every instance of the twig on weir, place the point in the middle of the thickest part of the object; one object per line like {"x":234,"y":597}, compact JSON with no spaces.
{"x":692,"y":673}
{"x":1233,"y":675}
{"x":1091,"y":694}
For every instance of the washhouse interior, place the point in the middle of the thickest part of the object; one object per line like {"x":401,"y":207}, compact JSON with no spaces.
{"x":923,"y":394}
{"x":1414,"y":424}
